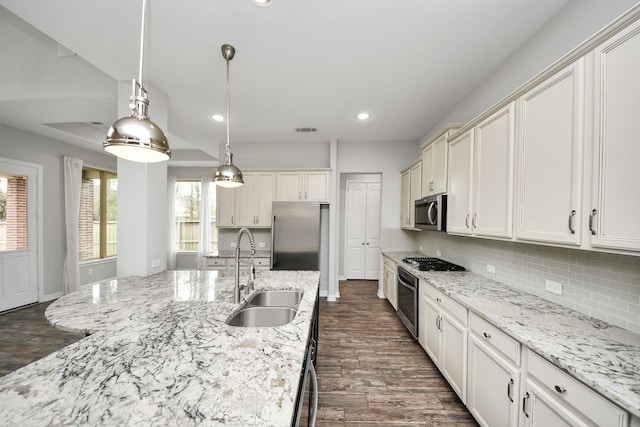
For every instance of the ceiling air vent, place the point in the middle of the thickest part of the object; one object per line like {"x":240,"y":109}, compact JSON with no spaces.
{"x":306,"y":130}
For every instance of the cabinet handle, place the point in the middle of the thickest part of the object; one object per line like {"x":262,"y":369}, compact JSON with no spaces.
{"x":362,"y":243}
{"x":486,"y":334}
{"x":560,"y":389}
{"x":466,"y":221}
{"x":573,"y":214}
{"x":438,"y":299}
{"x":305,"y":195}
{"x":509,"y":389}
{"x":473,"y":221}
{"x":367,"y":243}
{"x":591,"y":216}
{"x":438,"y":322}
{"x":232,"y":222}
{"x":299,"y":195}
{"x":431,"y":186}
{"x":525,"y":400}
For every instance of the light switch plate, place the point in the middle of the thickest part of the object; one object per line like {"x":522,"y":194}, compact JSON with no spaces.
{"x":438,"y":252}
{"x":261,"y":244}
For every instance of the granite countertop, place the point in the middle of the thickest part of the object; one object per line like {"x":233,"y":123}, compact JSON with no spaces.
{"x":602,"y":356}
{"x":160,"y":353}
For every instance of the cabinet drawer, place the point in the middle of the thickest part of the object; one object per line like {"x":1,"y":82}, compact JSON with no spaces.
{"x":216,"y":262}
{"x":496,"y":338}
{"x":389,"y":263}
{"x":567,"y":389}
{"x":458,"y":311}
{"x":262,"y":262}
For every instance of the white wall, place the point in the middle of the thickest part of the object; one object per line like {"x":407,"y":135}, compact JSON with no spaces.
{"x":270,"y":155}
{"x":575,"y":23}
{"x":24,"y":146}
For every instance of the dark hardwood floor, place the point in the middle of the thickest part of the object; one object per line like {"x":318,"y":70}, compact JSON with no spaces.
{"x":26,"y":336}
{"x":371,"y":372}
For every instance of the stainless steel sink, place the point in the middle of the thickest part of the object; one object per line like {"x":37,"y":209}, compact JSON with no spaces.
{"x":279,"y":298}
{"x":262,"y":316}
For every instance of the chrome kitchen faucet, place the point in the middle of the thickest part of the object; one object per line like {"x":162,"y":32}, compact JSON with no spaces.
{"x":252,"y":267}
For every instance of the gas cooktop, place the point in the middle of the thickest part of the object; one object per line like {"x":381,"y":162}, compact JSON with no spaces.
{"x":431,"y":264}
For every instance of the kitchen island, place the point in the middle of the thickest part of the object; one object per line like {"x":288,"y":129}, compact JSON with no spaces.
{"x":602,"y":356}
{"x":158,"y":352}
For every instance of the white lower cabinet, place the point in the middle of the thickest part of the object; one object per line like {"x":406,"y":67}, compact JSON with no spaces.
{"x":494,"y":377}
{"x":442,"y":332}
{"x":389,"y":281}
{"x":553,"y":398}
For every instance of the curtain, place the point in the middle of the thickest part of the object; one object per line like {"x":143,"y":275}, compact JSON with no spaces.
{"x":171,"y":224}
{"x":204,"y":247}
{"x":72,"y":187}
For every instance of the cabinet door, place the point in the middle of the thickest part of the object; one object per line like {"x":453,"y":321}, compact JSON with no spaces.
{"x":405,"y":197}
{"x":542,"y":410}
{"x":439,"y":174}
{"x":493,"y":175}
{"x":289,"y":186}
{"x":225,"y":207}
{"x":316,"y":186}
{"x":427,"y":170}
{"x":416,"y":192}
{"x":616,"y":200}
{"x":428,"y":331}
{"x":550,"y":145}
{"x":459,"y":197}
{"x":390,"y":285}
{"x":264,"y":198}
{"x":492,"y":394}
{"x":247,"y":203}
{"x":454,"y":354}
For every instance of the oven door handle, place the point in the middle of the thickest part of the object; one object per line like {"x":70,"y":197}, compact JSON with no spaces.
{"x":406,"y":284}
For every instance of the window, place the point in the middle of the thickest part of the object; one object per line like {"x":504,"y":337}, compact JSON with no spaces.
{"x":97,"y":223}
{"x":188,"y":216}
{"x":13,"y":212}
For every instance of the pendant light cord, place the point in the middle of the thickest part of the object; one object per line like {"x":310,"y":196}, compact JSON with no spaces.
{"x":144,"y":12}
{"x":228,"y":149}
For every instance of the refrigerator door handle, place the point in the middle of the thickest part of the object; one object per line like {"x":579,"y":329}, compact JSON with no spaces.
{"x":273,"y":232}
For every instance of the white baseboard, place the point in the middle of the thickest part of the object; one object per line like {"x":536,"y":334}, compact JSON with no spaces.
{"x":52,"y":296}
{"x":342,"y":277}
{"x":331,"y":298}
{"x":324,"y":293}
{"x":381,"y":294}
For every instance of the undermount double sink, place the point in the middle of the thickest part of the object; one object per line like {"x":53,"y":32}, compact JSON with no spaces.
{"x":268,"y":308}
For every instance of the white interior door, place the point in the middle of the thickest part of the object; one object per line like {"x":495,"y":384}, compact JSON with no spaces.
{"x":356,"y":229}
{"x":372,"y":237}
{"x":363,"y":230}
{"x":19,"y":237}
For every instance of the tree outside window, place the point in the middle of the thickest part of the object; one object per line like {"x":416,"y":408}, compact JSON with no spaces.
{"x":13,"y":212}
{"x":187,"y":212}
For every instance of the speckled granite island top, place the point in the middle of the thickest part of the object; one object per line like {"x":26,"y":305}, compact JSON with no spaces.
{"x":160,"y":353}
{"x":602,"y":356}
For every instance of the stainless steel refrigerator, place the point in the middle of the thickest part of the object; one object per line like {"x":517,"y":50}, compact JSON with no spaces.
{"x":295,"y":236}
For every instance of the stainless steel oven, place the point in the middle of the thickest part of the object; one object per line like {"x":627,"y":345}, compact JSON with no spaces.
{"x":408,"y":300}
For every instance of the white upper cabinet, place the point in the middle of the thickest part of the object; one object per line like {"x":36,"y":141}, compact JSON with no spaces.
{"x":410,"y":191}
{"x":460,"y":187}
{"x":550,"y":150}
{"x":254,"y":199}
{"x":613,"y":216}
{"x":225,"y":207}
{"x":480,"y":200}
{"x":303,"y":185}
{"x":494,"y":143}
{"x":434,"y":162}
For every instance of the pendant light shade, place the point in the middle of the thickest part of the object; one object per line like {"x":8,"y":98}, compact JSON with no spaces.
{"x":228,"y":175}
{"x":136,"y":137}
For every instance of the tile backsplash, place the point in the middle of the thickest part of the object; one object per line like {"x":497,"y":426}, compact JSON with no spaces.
{"x":603,"y":285}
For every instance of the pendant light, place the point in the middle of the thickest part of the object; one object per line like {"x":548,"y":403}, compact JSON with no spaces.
{"x":136,"y":137}
{"x":228,"y":175}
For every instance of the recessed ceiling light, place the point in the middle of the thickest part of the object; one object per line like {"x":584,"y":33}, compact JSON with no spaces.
{"x":261,"y":3}
{"x":218,"y":118}
{"x":363,"y":116}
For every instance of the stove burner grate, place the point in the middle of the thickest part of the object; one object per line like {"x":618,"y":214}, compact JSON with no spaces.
{"x":431,"y":264}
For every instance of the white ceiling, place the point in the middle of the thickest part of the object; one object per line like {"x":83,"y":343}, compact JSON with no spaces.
{"x":299,"y":63}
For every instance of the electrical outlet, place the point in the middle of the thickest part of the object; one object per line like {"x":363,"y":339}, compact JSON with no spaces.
{"x":553,"y":287}
{"x":155,"y":263}
{"x":261,"y":244}
{"x":438,"y":252}
{"x":491,"y":268}
{"x":232,"y":244}
{"x":420,"y":248}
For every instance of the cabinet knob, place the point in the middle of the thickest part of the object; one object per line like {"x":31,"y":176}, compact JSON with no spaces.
{"x":560,"y":389}
{"x":486,"y":334}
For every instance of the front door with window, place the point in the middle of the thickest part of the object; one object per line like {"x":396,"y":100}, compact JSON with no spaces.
{"x":18,"y":234}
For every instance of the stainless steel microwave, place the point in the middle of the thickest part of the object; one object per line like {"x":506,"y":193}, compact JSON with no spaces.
{"x":431,"y":213}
